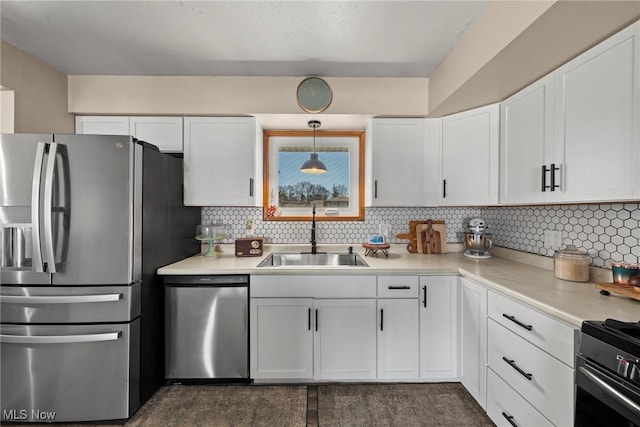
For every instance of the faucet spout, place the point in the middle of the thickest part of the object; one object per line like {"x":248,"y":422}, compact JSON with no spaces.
{"x":314,"y":249}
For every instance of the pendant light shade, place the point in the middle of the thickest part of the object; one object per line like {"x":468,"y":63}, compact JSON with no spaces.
{"x":314,"y":164}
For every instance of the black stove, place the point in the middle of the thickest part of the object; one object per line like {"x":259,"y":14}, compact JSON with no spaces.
{"x":608,"y":374}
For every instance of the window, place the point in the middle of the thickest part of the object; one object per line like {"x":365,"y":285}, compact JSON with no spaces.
{"x":290,"y":194}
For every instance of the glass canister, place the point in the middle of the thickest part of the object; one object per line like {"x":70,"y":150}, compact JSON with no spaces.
{"x":571,"y":264}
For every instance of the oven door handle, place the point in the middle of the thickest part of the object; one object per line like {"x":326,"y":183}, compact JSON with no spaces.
{"x":600,"y":382}
{"x":59,"y":339}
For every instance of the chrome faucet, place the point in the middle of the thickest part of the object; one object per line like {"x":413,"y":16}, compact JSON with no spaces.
{"x":314,"y":249}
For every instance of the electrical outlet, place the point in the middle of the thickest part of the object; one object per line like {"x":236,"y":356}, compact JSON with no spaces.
{"x":553,"y":239}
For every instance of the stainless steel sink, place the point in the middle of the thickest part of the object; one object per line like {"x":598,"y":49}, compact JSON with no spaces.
{"x":320,"y":259}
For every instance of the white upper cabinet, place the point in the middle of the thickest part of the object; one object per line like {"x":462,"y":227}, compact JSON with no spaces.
{"x":220,"y":161}
{"x":574,"y":136}
{"x":470,"y":144}
{"x":402,"y":162}
{"x":597,"y":121}
{"x":102,"y":125}
{"x":526,"y":143}
{"x":163,"y":132}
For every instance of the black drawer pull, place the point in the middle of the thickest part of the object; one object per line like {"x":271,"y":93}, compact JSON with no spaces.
{"x":517,"y":322}
{"x":316,"y":320}
{"x":399,"y":287}
{"x":518,"y":368}
{"x":510,"y":419}
{"x":381,"y":319}
{"x":309,"y":320}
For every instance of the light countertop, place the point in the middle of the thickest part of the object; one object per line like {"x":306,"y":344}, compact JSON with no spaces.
{"x":572,"y":302}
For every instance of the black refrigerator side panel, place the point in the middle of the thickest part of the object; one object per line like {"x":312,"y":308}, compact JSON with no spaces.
{"x":168,"y":229}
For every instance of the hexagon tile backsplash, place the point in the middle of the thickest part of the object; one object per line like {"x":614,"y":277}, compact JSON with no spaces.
{"x":609,"y":232}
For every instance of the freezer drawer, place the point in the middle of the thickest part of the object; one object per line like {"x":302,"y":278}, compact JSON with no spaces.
{"x":84,"y":372}
{"x":207,"y":332}
{"x":69,"y":304}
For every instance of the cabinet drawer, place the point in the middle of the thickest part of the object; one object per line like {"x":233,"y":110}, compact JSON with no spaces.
{"x":326,"y":286}
{"x":542,"y":380}
{"x":398,"y":286}
{"x":503,"y":402}
{"x":549,"y":334}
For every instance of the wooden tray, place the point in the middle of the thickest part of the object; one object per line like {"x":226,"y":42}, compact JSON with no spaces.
{"x":624,"y":290}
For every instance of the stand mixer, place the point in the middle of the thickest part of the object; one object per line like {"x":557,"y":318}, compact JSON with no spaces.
{"x":477,"y":240}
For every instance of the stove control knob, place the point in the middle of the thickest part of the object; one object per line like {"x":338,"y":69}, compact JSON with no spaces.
{"x":624,"y":366}
{"x":634,"y":372}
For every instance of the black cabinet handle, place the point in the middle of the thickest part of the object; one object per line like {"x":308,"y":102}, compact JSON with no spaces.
{"x":553,"y":177}
{"x":517,"y":322}
{"x":250,"y":187}
{"x":444,"y":188}
{"x":544,"y":178}
{"x":375,"y":189}
{"x":510,"y":419}
{"x":512,"y":363}
{"x":392,"y":287}
{"x":381,"y":319}
{"x":309,"y":320}
{"x":316,"y":320}
{"x":424,"y":289}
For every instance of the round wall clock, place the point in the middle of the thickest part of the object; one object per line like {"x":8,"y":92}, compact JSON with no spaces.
{"x":314,"y":95}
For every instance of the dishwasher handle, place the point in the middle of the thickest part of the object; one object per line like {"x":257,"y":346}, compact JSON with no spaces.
{"x":208,"y":280}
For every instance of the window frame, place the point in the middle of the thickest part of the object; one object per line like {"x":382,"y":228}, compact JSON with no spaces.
{"x":320,"y":216}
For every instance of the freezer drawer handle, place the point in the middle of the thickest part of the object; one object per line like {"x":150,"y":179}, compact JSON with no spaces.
{"x":66,"y":299}
{"x":59,"y":339}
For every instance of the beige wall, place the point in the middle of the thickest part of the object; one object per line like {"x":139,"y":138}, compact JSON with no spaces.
{"x":7,"y":119}
{"x":40,"y":92}
{"x":516,"y":42}
{"x":210,"y":95}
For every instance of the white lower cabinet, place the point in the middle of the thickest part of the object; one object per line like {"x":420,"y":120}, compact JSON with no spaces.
{"x":473,"y":339}
{"x":344,"y":343}
{"x":438,"y":327}
{"x":534,"y":354}
{"x":507,"y":408}
{"x":398,"y":339}
{"x":281,"y":338}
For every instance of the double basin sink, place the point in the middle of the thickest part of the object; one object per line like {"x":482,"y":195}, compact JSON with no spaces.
{"x":309,"y":259}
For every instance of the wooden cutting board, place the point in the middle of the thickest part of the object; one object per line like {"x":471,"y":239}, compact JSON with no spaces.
{"x":431,"y":240}
{"x":412,"y":235}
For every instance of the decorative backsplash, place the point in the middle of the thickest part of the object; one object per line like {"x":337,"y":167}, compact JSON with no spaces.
{"x":337,"y":232}
{"x":609,"y":232}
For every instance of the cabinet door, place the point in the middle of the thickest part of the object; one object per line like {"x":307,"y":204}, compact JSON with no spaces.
{"x":163,"y":132}
{"x":473,"y":339}
{"x":438,"y":327}
{"x":281,"y":338}
{"x":345,"y":339}
{"x":102,"y":125}
{"x":219,"y":161}
{"x":404,"y":162}
{"x":526,"y":143}
{"x":398,"y":339}
{"x":470,"y":144}
{"x":597,"y":121}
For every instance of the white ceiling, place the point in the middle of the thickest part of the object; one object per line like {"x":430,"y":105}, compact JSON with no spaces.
{"x":239,"y":38}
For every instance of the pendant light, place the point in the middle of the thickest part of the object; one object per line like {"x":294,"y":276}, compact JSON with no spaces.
{"x":313,"y":165}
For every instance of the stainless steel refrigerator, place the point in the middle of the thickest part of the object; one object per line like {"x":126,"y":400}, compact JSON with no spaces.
{"x":85,"y":221}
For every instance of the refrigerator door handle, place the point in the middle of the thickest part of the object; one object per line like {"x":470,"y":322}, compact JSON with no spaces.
{"x":59,"y":339}
{"x":48,"y":209}
{"x":65,"y":299}
{"x":35,"y":208}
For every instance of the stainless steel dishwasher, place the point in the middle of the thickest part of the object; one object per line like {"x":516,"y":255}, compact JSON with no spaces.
{"x":207,"y":327}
